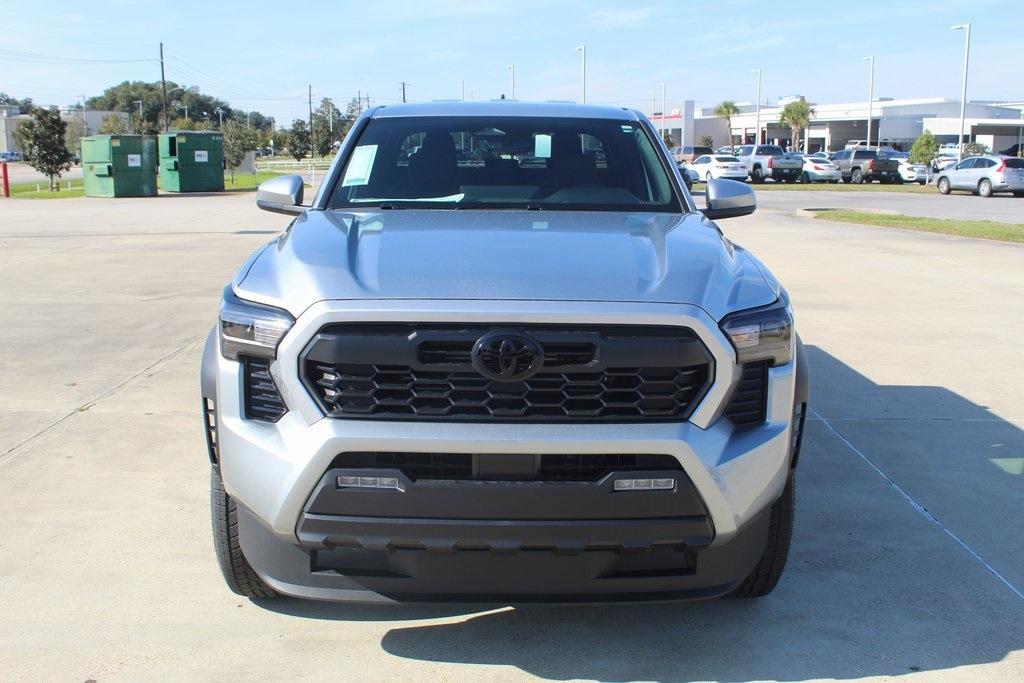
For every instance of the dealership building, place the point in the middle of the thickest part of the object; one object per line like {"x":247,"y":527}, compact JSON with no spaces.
{"x":898,"y":122}
{"x":11,"y":117}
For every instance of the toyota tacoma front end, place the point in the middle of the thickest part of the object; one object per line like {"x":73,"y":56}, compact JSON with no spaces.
{"x":503,"y":357}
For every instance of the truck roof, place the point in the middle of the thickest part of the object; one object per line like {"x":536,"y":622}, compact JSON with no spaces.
{"x":505,"y":108}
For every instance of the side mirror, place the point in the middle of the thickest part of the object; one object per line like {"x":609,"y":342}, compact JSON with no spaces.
{"x":281,"y":195}
{"x":728,"y":199}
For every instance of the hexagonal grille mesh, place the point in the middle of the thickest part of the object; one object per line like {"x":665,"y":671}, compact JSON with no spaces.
{"x":401,"y":391}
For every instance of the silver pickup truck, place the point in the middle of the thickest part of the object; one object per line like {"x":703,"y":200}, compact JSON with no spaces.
{"x":769,"y":161}
{"x":503,"y":356}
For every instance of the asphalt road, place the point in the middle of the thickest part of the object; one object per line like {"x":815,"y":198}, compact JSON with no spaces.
{"x":908,"y":551}
{"x":21,"y":172}
{"x":1002,"y":207}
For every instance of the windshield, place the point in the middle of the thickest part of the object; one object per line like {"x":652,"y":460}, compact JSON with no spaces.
{"x":505,"y":162}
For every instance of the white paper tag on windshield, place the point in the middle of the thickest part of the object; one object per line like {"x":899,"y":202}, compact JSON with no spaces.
{"x":134,"y":160}
{"x":542,"y":146}
{"x":202,"y":156}
{"x":360,"y":165}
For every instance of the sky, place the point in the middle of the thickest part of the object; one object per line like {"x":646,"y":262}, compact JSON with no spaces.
{"x":263,"y":55}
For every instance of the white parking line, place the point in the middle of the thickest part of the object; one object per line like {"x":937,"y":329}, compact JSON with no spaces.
{"x":917,"y":506}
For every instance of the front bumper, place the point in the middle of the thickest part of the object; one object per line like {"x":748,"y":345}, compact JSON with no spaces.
{"x":273,"y":470}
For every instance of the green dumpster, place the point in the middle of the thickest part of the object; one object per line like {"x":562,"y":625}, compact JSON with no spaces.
{"x":192,"y":161}
{"x":119,"y":166}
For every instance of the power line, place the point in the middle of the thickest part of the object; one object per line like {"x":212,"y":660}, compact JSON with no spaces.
{"x":32,"y":57}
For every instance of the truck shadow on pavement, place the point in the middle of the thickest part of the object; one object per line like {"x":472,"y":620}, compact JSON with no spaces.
{"x":872,"y":587}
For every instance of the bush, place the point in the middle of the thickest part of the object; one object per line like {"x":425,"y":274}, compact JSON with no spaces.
{"x":975,"y":149}
{"x":924,"y":149}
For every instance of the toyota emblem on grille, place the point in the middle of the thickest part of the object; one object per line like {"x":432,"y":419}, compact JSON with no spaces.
{"x":507,"y":356}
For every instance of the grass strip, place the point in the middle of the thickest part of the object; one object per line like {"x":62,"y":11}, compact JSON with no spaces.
{"x":989,"y":230}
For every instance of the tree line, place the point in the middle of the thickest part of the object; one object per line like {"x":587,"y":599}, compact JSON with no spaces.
{"x":51,"y":144}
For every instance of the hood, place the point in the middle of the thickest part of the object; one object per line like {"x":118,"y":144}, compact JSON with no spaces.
{"x":505,"y":255}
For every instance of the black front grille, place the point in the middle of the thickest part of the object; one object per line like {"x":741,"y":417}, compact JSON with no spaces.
{"x":748,"y":405}
{"x":589,"y":373}
{"x":262,"y":400}
{"x":547,"y":467}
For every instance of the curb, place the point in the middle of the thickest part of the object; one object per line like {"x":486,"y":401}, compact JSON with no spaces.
{"x":812,"y":212}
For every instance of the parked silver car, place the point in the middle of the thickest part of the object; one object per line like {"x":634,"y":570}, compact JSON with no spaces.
{"x":984,"y":176}
{"x":820,"y":170}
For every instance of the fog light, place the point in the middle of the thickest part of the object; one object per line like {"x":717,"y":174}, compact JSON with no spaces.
{"x":644,"y":484}
{"x":347,"y":482}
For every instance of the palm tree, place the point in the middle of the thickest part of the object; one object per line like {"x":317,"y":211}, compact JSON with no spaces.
{"x":726,"y":110}
{"x":797,"y":115}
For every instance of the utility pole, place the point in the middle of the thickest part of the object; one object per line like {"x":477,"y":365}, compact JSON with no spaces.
{"x":367,"y":100}
{"x":403,"y":84}
{"x":664,"y":110}
{"x":359,"y":99}
{"x":871,"y":96}
{"x":757,"y":117}
{"x":583,"y":87}
{"x":311,"y":117}
{"x":163,"y":87}
{"x":661,"y":119}
{"x":512,"y":80}
{"x":963,"y":89}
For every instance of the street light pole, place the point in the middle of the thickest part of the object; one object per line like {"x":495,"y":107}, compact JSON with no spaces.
{"x":871,"y":97}
{"x":757,"y":108}
{"x":663,"y":124}
{"x":583,"y":87}
{"x":512,"y":79}
{"x":963,"y":90}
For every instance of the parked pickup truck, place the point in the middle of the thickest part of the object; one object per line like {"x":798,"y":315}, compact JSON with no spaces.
{"x":769,"y":161}
{"x":548,"y":376}
{"x":865,"y":165}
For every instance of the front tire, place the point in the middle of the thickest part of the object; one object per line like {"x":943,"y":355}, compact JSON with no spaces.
{"x":805,"y":177}
{"x":757,"y":175}
{"x":985,"y":188}
{"x":857,"y":177}
{"x":943,"y":185}
{"x":766,"y":574}
{"x":237,"y":572}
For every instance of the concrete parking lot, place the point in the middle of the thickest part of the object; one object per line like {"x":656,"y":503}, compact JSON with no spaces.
{"x":908,"y":554}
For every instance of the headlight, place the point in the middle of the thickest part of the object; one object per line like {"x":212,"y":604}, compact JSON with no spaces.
{"x":249,"y":328}
{"x":764,"y":333}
